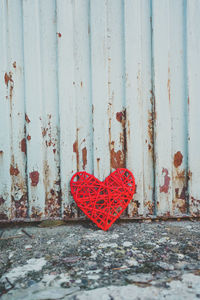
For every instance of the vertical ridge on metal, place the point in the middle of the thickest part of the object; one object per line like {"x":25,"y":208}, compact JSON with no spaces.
{"x":95,"y":86}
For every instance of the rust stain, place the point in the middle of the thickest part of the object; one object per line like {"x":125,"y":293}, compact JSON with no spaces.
{"x":1,"y":152}
{"x":2,"y":201}
{"x":8,"y":78}
{"x":134,"y":208}
{"x":150,"y":128}
{"x":14,"y":171}
{"x":189,"y":175}
{"x":35,"y":213}
{"x":165,"y":187}
{"x":178,"y":158}
{"x":196,"y":204}
{"x":34,"y":176}
{"x":75,"y":150}
{"x":150,"y":207}
{"x":69,"y":211}
{"x":98,"y":160}
{"x":180,"y":175}
{"x":54,"y":151}
{"x":119,"y":116}
{"x":23,"y":145}
{"x":84,"y":157}
{"x":44,"y":131}
{"x":183,"y":194}
{"x":168,"y":85}
{"x":27,"y":118}
{"x":50,"y":140}
{"x":181,"y":200}
{"x":59,"y":34}
{"x":14,"y":65}
{"x":20,"y":207}
{"x":52,"y":193}
{"x":28,"y":137}
{"x":116,"y":159}
{"x":81,"y":83}
{"x":53,"y":203}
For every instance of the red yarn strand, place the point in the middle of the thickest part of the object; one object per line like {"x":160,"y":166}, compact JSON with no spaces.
{"x":103,"y":202}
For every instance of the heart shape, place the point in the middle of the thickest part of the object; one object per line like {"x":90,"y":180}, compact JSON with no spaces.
{"x":103,"y":202}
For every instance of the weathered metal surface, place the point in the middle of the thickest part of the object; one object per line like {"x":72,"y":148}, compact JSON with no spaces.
{"x":98,"y":85}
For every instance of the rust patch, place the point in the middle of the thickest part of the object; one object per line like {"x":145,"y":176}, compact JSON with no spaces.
{"x":34,"y":176}
{"x":98,"y":160}
{"x":28,"y":137}
{"x":168,"y":85}
{"x":27,"y":119}
{"x":59,"y":34}
{"x":20,"y":207}
{"x":183,"y":194}
{"x":180,"y":201}
{"x":14,"y":171}
{"x":84,"y":157}
{"x":178,"y":158}
{"x":54,"y":151}
{"x":50,"y":139}
{"x":165,"y":187}
{"x":134,"y":208}
{"x":35,"y":213}
{"x":8,"y":78}
{"x":53,"y":203}
{"x":189,"y":175}
{"x":81,"y":83}
{"x":2,"y":201}
{"x":75,"y":150}
{"x":44,"y":131}
{"x":52,"y":194}
{"x":196,"y":204}
{"x":150,"y":128}
{"x":180,"y":175}
{"x":14,"y":65}
{"x":23,"y":145}
{"x":1,"y":152}
{"x":69,"y":211}
{"x":116,"y":159}
{"x":3,"y":216}
{"x":150,"y":207}
{"x":119,"y":116}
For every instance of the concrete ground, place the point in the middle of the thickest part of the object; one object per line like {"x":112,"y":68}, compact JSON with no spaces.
{"x":132,"y":260}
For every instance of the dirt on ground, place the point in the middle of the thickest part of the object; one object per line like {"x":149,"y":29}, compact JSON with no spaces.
{"x":147,"y":260}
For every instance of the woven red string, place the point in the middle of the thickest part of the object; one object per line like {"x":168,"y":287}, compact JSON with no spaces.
{"x":103,"y":202}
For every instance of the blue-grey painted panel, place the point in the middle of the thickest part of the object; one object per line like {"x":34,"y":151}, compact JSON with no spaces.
{"x":98,"y":85}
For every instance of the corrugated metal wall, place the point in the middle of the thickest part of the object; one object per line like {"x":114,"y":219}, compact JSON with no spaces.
{"x":97,"y":85}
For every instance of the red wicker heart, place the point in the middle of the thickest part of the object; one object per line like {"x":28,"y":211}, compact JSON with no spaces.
{"x":103,"y":202}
